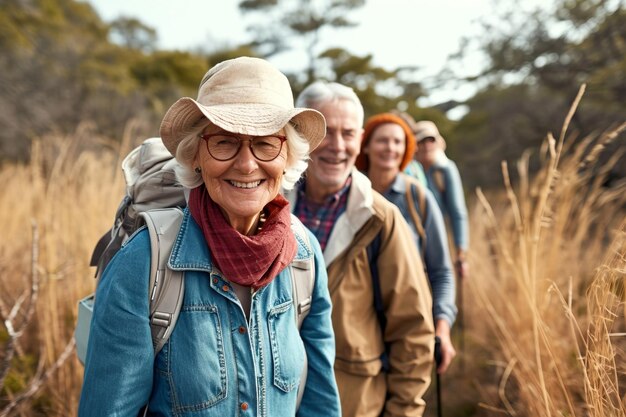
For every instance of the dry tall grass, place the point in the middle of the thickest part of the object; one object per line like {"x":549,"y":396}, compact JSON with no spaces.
{"x":549,"y":283}
{"x":68,"y":194}
{"x":544,"y":278}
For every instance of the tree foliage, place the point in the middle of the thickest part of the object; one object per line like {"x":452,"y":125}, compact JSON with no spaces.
{"x":379,"y":89}
{"x":133,"y":34}
{"x":536,"y":62}
{"x":42,"y":69}
{"x":59,"y":67}
{"x":283,"y":23}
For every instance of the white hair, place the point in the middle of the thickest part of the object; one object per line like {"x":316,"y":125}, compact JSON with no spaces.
{"x":321,"y":92}
{"x":297,"y":156}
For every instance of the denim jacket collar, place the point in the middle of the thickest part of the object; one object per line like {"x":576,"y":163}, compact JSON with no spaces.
{"x":191,"y":252}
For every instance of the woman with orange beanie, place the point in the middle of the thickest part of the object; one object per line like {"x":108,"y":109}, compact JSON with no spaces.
{"x":387,"y":147}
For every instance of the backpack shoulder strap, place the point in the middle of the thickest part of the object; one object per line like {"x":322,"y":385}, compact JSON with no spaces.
{"x":302,"y":274}
{"x":166,"y":286}
{"x":372,"y":256}
{"x":302,"y":284}
{"x":439,"y":178}
{"x":415,"y":192}
{"x":373,"y":249}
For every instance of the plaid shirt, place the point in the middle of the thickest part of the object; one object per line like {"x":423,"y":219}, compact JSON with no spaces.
{"x":320,"y":218}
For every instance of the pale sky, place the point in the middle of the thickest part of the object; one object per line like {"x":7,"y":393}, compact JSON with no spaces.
{"x":396,"y":32}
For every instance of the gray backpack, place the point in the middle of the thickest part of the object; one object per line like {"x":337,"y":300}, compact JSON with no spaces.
{"x":155,"y":199}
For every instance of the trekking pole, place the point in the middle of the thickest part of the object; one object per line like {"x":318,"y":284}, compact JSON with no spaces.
{"x":437,"y":363}
{"x":461,"y":324}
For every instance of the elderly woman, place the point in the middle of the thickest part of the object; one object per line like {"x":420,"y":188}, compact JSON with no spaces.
{"x":236,"y":348}
{"x":388,"y":146}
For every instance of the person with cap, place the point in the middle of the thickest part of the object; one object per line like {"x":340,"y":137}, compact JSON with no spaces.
{"x":444,"y":180}
{"x":382,"y":307}
{"x":236,"y":348}
{"x":387,"y":147}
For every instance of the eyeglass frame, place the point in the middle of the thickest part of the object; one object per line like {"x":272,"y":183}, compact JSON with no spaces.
{"x":207,"y":136}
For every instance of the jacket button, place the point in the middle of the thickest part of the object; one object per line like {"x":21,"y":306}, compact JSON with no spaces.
{"x":225,"y":287}
{"x":244,"y":406}
{"x":242,"y":329}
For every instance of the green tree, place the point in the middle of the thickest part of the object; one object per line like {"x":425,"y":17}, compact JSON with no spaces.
{"x":536,"y":62}
{"x":166,"y":76}
{"x":133,"y":34}
{"x":54,"y":56}
{"x":379,"y":89}
{"x":283,"y":23}
{"x":59,"y":67}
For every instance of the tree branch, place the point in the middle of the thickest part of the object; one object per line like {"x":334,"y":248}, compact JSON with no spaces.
{"x":15,"y":332}
{"x":38,"y":382}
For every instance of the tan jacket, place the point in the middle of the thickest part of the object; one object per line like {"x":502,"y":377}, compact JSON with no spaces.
{"x":364,"y":389}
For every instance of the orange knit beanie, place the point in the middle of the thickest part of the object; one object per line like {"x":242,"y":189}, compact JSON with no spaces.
{"x":362,"y":161}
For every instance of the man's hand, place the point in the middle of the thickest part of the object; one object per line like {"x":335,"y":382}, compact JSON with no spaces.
{"x":447,"y":350}
{"x":461,"y":268}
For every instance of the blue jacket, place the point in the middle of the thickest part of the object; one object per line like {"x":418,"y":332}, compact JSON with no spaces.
{"x":215,"y":363}
{"x":436,"y":254}
{"x":451,"y":200}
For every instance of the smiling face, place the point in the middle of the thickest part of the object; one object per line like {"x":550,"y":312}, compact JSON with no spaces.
{"x":243,"y":185}
{"x":386,"y":148}
{"x":332,"y":161}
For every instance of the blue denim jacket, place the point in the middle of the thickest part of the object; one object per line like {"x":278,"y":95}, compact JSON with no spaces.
{"x":216,"y":363}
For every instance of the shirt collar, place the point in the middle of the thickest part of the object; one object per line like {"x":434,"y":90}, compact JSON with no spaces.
{"x":399,"y":184}
{"x":328,"y":200}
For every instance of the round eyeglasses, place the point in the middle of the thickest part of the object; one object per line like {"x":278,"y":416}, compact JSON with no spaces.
{"x":225,"y":146}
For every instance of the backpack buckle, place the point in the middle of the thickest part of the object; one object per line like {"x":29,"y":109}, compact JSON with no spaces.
{"x":304,"y":306}
{"x":162,"y":319}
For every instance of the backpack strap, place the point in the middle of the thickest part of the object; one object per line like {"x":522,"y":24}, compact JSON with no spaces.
{"x":373,"y":249}
{"x":302,"y":283}
{"x":439,"y":180}
{"x":167,"y":286}
{"x":111,"y":242}
{"x":415,"y":192}
{"x":303,"y":276}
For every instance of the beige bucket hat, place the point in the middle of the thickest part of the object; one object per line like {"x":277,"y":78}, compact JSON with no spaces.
{"x":426,"y":129}
{"x":244,"y":95}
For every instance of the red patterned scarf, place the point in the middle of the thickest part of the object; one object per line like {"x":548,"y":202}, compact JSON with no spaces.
{"x":251,"y":261}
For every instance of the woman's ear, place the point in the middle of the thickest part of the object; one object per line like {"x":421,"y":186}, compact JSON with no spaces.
{"x":196,"y":164}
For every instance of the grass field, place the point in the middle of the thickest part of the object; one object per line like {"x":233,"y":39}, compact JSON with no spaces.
{"x":543,"y":310}
{"x":544,"y":331}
